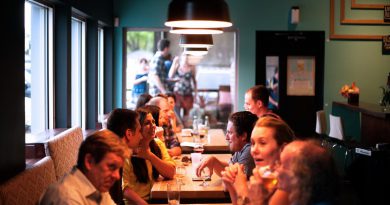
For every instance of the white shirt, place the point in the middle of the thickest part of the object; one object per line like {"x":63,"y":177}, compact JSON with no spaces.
{"x":75,"y":188}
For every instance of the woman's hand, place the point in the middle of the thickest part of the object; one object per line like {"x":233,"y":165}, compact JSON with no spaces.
{"x":257,"y":189}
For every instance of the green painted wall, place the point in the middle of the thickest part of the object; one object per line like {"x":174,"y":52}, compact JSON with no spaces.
{"x":345,"y":60}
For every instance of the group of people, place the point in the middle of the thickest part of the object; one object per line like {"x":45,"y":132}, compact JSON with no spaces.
{"x":263,"y":147}
{"x":164,"y":76}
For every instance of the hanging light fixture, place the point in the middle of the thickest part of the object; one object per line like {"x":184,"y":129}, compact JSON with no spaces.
{"x":196,"y":41}
{"x":198,"y":14}
{"x":195,"y":51}
{"x":177,"y":30}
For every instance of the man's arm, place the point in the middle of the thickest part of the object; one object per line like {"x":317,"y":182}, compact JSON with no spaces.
{"x":157,"y":82}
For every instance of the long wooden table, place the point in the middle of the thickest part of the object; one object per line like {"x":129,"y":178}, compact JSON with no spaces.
{"x":215,"y":142}
{"x":192,"y":191}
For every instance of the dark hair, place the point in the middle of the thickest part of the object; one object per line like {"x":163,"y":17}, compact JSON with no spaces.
{"x":98,"y":145}
{"x":283,"y":132}
{"x":122,"y":119}
{"x":155,"y":111}
{"x":259,"y":92}
{"x":139,"y":164}
{"x":162,"y":44}
{"x":142,"y":100}
{"x":243,"y":122}
{"x":171,"y":95}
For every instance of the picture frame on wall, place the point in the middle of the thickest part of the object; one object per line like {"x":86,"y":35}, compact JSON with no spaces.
{"x":301,"y":75}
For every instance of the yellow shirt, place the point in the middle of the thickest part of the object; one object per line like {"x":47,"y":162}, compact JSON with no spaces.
{"x":130,"y":180}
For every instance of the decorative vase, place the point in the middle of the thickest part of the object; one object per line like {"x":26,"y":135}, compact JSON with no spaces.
{"x":353,"y":98}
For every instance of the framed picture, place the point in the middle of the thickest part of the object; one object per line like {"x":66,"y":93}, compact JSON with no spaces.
{"x":300,"y":75}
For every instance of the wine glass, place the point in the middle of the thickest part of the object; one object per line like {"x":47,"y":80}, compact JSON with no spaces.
{"x":205,"y":174}
{"x":180,"y":173}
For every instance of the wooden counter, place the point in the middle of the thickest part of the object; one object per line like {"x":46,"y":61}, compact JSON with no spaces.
{"x":214,"y":143}
{"x":374,"y":121}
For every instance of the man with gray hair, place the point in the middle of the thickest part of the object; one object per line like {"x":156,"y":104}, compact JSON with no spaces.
{"x":100,"y":157}
{"x":170,"y":139}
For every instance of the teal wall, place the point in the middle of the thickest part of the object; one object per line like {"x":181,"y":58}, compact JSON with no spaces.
{"x":345,"y":60}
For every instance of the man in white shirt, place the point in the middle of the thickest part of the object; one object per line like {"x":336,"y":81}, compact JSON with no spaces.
{"x":100,"y":157}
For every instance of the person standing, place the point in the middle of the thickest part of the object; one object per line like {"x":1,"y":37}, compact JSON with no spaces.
{"x":140,"y":83}
{"x":185,"y":73}
{"x":158,"y":75}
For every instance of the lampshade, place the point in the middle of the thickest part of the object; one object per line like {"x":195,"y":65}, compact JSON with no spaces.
{"x":176,"y":30}
{"x":195,"y":51}
{"x":198,"y":14}
{"x":196,"y":41}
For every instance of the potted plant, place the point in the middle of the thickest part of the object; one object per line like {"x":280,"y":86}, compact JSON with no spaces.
{"x":351,"y":93}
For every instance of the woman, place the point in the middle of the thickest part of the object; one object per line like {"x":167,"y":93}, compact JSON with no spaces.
{"x":149,"y":161}
{"x":269,"y":136}
{"x":185,"y":73}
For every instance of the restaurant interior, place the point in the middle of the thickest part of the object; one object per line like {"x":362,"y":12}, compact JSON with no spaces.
{"x":338,"y":43}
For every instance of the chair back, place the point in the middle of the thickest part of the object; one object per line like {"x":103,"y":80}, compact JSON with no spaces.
{"x":64,"y":149}
{"x":321,"y":122}
{"x":336,"y":127}
{"x":27,"y":187}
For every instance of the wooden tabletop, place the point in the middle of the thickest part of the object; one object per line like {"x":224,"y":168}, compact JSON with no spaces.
{"x":192,"y":189}
{"x":215,"y":142}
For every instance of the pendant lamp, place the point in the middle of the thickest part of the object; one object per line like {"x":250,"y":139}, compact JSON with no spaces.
{"x":205,"y":14}
{"x":177,"y":30}
{"x":195,"y":51}
{"x":196,"y":41}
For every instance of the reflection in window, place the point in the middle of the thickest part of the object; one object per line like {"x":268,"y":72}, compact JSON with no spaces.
{"x":215,"y":72}
{"x":38,"y":68}
{"x":78,"y":73}
{"x":272,"y":75}
{"x":101,"y":74}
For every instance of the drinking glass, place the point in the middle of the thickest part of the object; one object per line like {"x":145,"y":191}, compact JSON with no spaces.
{"x":180,"y":173}
{"x":205,"y":174}
{"x":269,"y":177}
{"x":173,"y":193}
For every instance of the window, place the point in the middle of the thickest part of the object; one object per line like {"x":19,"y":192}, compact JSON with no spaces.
{"x":101,"y":74}
{"x":38,"y":68}
{"x":78,"y":73}
{"x":216,"y":72}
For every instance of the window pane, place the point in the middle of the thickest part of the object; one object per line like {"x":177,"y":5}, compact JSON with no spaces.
{"x":78,"y":84}
{"x":37,"y":67}
{"x":101,"y":74}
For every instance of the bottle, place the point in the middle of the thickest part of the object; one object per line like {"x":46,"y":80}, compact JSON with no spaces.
{"x":195,"y":129}
{"x":206,"y":125}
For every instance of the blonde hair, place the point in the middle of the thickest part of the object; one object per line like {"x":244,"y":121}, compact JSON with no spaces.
{"x":283,"y":132}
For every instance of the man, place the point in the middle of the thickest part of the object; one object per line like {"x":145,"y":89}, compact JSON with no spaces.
{"x":125,"y":124}
{"x":100,"y":157}
{"x":256,"y":101}
{"x":170,"y":138}
{"x":238,"y":134}
{"x":158,"y":74}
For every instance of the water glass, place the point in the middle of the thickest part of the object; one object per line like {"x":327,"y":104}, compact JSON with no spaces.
{"x":180,"y":173}
{"x":173,"y":193}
